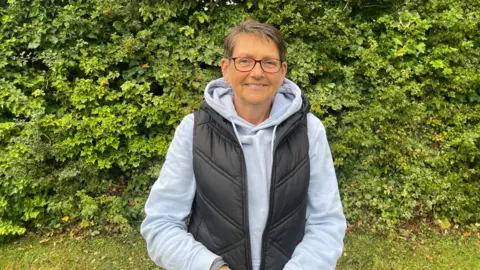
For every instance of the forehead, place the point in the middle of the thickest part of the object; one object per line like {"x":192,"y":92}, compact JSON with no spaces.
{"x":246,"y":44}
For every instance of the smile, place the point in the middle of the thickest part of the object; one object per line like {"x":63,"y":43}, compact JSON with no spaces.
{"x":255,"y":85}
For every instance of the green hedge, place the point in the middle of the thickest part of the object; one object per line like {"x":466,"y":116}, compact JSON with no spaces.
{"x":91,"y":92}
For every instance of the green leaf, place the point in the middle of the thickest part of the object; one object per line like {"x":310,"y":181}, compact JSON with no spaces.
{"x":118,"y":25}
{"x":34,"y":44}
{"x":397,"y":41}
{"x":438,"y":64}
{"x":359,"y":40}
{"x":420,"y":47}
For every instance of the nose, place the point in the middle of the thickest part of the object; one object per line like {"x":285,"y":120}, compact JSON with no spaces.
{"x":257,"y":71}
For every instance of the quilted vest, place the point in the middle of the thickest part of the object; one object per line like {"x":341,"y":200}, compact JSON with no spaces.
{"x":219,"y":218}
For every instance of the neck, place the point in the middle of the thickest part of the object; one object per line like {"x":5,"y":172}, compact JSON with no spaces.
{"x":254,"y":114}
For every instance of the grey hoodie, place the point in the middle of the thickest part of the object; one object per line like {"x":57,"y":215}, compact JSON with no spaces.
{"x":171,"y":246}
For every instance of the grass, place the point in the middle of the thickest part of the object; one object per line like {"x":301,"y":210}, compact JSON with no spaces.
{"x":100,"y":252}
{"x":129,"y":252}
{"x":432,"y":252}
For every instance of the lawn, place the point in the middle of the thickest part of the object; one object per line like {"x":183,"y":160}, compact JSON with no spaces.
{"x":362,"y":251}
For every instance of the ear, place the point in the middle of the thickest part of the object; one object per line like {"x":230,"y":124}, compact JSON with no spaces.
{"x":224,"y":64}
{"x":283,"y":70}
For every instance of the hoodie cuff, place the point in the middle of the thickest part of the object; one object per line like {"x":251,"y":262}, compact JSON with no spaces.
{"x":203,"y":259}
{"x":217,"y":263}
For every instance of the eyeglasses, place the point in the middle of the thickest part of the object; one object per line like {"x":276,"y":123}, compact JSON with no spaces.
{"x":246,"y":64}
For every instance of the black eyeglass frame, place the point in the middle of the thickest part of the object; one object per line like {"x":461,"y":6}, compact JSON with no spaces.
{"x":256,"y":61}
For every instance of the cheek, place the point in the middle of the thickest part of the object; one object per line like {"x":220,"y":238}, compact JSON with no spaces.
{"x":226,"y":76}
{"x":237,"y":79}
{"x":278,"y":82}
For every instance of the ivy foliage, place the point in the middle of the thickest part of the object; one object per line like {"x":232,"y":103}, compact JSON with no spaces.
{"x":91,"y":92}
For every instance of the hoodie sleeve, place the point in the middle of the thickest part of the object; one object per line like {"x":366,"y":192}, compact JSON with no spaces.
{"x":169,"y":245}
{"x":325,"y":226}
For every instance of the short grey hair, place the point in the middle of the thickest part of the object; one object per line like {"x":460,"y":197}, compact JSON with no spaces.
{"x":262,"y":30}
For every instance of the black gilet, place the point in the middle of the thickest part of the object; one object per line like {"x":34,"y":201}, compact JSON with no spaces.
{"x":219,"y":218}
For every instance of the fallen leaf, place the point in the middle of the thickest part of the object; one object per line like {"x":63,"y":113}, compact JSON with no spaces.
{"x":44,"y":240}
{"x":444,"y":223}
{"x":359,"y":223}
{"x":145,"y":66}
{"x":131,"y":203}
{"x":405,"y":233}
{"x":429,"y":258}
{"x":467,"y":234}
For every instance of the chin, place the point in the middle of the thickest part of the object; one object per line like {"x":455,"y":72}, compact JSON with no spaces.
{"x":258,"y":100}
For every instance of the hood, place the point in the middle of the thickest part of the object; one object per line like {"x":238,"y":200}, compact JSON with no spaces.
{"x":287,"y":101}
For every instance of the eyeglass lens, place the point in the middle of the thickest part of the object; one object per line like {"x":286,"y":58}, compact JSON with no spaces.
{"x":247,"y":64}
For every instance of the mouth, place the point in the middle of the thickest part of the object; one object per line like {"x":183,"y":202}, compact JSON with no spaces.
{"x":255,"y":85}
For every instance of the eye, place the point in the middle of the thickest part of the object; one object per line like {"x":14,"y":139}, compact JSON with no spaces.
{"x":244,"y":61}
{"x":270,"y":62}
